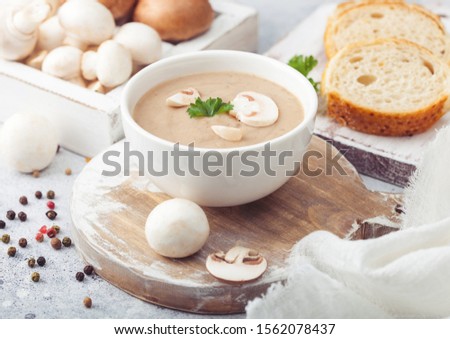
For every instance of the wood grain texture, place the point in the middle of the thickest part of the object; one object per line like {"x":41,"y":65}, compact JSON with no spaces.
{"x":109,"y":220}
{"x":391,"y":159}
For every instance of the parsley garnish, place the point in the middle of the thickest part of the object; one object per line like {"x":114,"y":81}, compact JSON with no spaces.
{"x":305,"y":65}
{"x":208,"y":108}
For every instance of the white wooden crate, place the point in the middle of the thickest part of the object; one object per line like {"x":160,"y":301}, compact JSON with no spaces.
{"x":391,"y":159}
{"x":88,"y":122}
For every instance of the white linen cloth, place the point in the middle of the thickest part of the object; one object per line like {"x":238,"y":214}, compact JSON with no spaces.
{"x":405,"y":274}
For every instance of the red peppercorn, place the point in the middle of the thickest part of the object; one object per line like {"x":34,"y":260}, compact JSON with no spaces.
{"x":43,"y":229}
{"x":51,"y":233}
{"x":51,"y":205}
{"x":39,"y":237}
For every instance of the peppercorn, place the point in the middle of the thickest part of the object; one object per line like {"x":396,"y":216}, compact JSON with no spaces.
{"x":6,"y":238}
{"x":23,"y":242}
{"x":51,"y":205}
{"x":51,"y":215}
{"x":87,"y":159}
{"x":12,"y":251}
{"x":11,"y":215}
{"x":41,"y":261}
{"x":43,"y":229}
{"x":51,"y":233}
{"x":88,"y":269}
{"x":2,"y":224}
{"x":31,"y":262}
{"x":68,"y":171}
{"x":23,"y":200}
{"x":39,"y":237}
{"x":67,"y":242}
{"x":35,"y":276}
{"x":36,"y":174}
{"x":399,"y":209}
{"x":56,"y":243}
{"x":56,"y":228}
{"x":79,"y":276}
{"x":22,"y":216}
{"x":87,"y":302}
{"x":38,"y":194}
{"x":50,"y":195}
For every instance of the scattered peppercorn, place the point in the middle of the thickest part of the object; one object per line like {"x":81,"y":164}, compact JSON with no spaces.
{"x":22,"y":216}
{"x":6,"y":238}
{"x":11,"y":215}
{"x":51,"y":215}
{"x":43,"y":229}
{"x":38,"y":194}
{"x":51,"y":233}
{"x":56,"y":243}
{"x":23,"y":200}
{"x":12,"y":251}
{"x":35,"y":276}
{"x":39,"y":237}
{"x":79,"y":276}
{"x":2,"y":224}
{"x":67,"y":242}
{"x":87,"y":302}
{"x":36,"y":174}
{"x":56,"y":228}
{"x":51,"y":205}
{"x":68,"y":171}
{"x":41,"y":261}
{"x":50,"y":195}
{"x":31,"y":262}
{"x":399,"y":209}
{"x":23,"y":242}
{"x":88,"y":269}
{"x":87,"y":159}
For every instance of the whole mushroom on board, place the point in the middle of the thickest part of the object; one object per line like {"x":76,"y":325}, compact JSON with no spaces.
{"x":64,"y":62}
{"x":177,"y":228}
{"x":175,"y":20}
{"x":51,"y":35}
{"x":114,"y":64}
{"x":143,"y":42}
{"x":28,"y":142}
{"x":86,"y":22}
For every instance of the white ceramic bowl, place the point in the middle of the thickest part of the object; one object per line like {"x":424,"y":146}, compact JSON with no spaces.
{"x":229,"y":187}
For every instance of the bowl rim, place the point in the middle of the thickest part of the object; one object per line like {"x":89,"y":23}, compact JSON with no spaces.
{"x":127,"y":115}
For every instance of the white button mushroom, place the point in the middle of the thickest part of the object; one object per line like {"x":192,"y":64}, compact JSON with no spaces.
{"x":114,"y":64}
{"x":28,"y":142}
{"x":142,"y":41}
{"x":63,"y":62}
{"x":254,"y":109}
{"x":51,"y":35}
{"x":86,"y":23}
{"x":89,"y":65}
{"x":177,"y":228}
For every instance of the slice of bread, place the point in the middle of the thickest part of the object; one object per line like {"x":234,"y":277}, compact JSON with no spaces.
{"x":386,"y":87}
{"x":365,"y":22}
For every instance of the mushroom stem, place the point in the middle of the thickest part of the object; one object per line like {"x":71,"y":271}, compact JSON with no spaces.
{"x":31,"y":16}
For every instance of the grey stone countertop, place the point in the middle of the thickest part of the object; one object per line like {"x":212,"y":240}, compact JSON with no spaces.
{"x":59,"y":294}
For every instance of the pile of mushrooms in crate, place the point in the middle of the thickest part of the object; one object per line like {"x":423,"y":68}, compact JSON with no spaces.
{"x":93,"y":43}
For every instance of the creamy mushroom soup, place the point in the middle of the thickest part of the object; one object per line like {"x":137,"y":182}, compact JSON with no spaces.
{"x":154,"y":114}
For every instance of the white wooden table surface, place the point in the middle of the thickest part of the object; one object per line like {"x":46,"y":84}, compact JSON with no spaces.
{"x":59,"y":295}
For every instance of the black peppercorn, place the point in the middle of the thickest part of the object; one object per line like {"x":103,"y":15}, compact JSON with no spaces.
{"x":11,"y":215}
{"x":35,"y":276}
{"x":23,"y":200}
{"x":12,"y":251}
{"x":50,"y":195}
{"x":38,"y":194}
{"x":41,"y":261}
{"x":79,"y":276}
{"x":6,"y":238}
{"x":67,"y":242}
{"x":22,"y":216}
{"x":399,"y":209}
{"x":87,"y":302}
{"x":2,"y":224}
{"x":51,"y":215}
{"x":88,"y":269}
{"x":23,"y":242}
{"x":31,"y":262}
{"x":56,"y":243}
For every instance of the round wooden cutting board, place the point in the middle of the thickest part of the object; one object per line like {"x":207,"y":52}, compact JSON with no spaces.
{"x":109,"y":215}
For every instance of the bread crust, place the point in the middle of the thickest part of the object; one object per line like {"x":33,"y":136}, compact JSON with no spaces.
{"x":330,"y":48}
{"x":369,"y":121}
